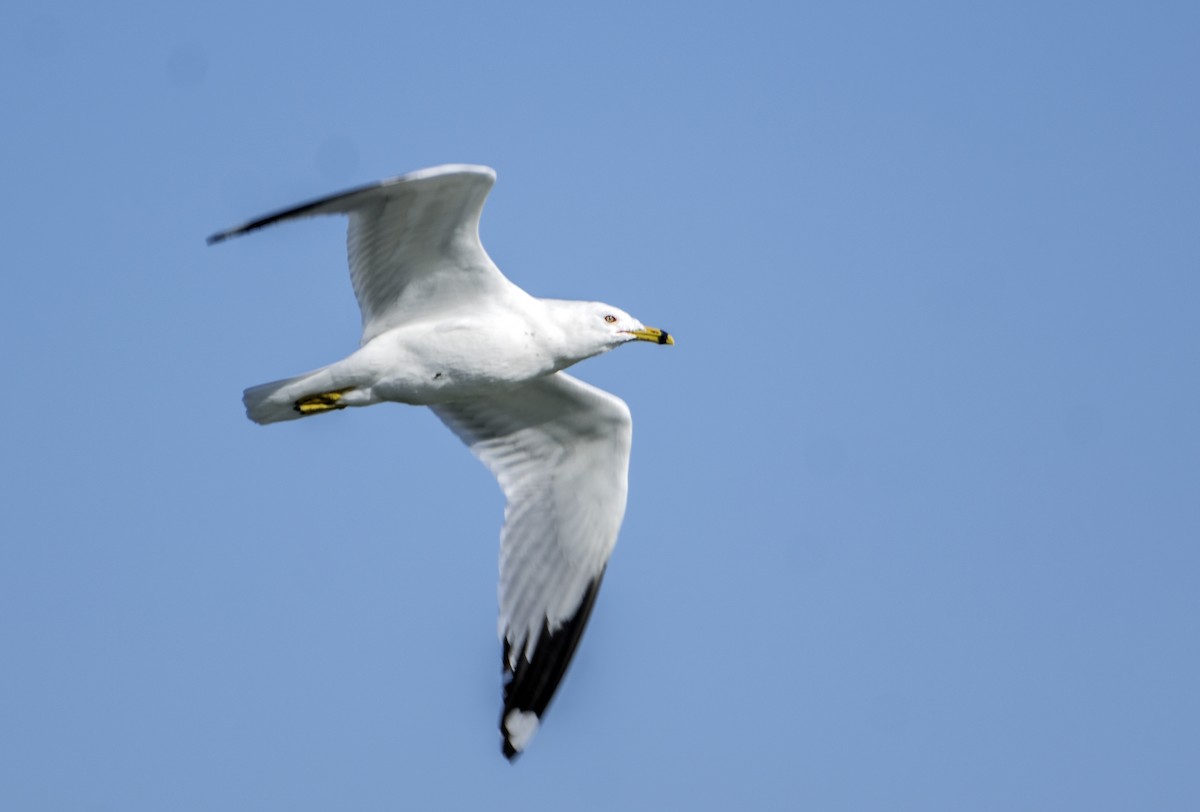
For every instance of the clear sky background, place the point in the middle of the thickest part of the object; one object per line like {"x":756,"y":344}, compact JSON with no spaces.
{"x":915,"y":501}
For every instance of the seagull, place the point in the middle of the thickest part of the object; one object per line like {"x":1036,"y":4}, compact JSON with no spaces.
{"x":444,"y":328}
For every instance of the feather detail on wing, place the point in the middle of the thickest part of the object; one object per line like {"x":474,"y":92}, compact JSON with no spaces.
{"x":560,"y":450}
{"x":413,"y":242}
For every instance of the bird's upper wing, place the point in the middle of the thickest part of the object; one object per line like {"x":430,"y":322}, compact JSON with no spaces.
{"x":560,"y":449}
{"x":413,"y":242}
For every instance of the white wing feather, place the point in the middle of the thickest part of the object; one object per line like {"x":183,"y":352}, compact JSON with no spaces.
{"x":413,"y":242}
{"x":560,"y":450}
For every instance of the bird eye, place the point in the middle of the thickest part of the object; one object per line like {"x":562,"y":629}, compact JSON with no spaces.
{"x":610,"y":318}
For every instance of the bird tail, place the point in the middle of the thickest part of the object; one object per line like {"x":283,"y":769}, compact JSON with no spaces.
{"x":293,"y":398}
{"x":273,"y":402}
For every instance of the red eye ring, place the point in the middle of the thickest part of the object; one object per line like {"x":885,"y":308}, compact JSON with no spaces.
{"x":611,"y":319}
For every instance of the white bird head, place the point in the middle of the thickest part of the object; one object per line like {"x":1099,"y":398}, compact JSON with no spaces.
{"x":592,"y":328}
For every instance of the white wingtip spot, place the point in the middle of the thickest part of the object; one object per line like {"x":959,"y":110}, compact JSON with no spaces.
{"x":520,"y":726}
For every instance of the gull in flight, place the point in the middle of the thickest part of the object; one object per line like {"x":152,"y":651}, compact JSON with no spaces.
{"x":443,"y":328}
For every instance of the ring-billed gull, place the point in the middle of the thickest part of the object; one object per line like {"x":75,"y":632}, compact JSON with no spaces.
{"x":442,"y":327}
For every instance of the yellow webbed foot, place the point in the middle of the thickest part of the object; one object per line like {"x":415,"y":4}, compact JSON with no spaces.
{"x":324,"y":402}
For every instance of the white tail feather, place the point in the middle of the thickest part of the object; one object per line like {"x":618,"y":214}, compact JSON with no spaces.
{"x":275,"y":402}
{"x":267,"y":403}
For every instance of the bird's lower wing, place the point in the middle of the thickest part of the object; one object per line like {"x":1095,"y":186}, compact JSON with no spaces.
{"x":560,"y":450}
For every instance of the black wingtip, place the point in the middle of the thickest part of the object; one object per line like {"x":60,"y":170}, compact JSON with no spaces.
{"x":529,"y":687}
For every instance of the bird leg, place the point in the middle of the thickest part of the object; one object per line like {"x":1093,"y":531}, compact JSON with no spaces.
{"x":324,"y":402}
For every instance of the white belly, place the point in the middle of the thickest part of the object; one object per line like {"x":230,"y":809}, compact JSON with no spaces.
{"x":435,"y":362}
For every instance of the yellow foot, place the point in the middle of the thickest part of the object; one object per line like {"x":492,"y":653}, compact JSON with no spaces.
{"x":324,"y":402}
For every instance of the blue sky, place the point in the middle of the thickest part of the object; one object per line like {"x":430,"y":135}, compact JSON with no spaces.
{"x":915,"y":500}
